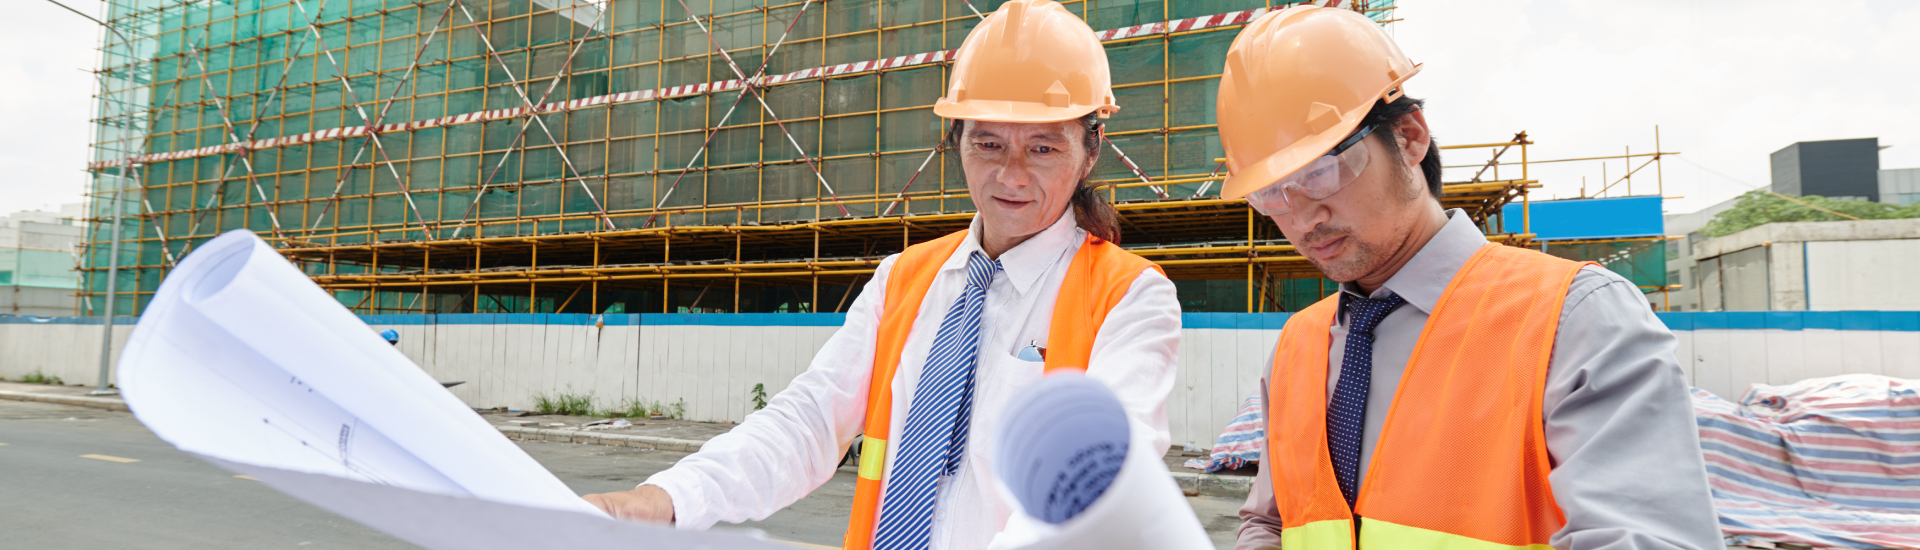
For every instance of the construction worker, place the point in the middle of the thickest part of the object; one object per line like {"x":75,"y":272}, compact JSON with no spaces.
{"x":949,"y":330}
{"x":1454,"y":393}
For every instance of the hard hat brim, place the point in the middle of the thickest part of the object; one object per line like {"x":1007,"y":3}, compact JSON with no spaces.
{"x":1289,"y":159}
{"x":1014,"y":111}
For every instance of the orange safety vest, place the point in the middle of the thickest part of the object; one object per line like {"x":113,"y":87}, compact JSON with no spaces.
{"x":1097,"y":279}
{"x":1462,"y":459}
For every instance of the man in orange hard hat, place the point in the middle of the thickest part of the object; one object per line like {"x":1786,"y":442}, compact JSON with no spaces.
{"x":1454,"y":393}
{"x":950,"y":329}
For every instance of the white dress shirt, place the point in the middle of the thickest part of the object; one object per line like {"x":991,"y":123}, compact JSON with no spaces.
{"x":781,"y":453}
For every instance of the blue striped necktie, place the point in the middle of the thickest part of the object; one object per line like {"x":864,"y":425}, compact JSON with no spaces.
{"x":1347,"y":414}
{"x":936,"y":430}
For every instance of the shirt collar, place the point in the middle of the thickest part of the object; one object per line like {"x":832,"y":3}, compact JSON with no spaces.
{"x":1425,"y":277}
{"x":1024,"y":264}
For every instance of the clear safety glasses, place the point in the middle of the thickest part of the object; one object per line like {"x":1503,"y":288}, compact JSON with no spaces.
{"x":1320,"y":179}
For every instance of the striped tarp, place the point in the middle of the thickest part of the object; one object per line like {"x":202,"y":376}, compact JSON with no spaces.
{"x":1240,"y":444}
{"x":1827,"y":462}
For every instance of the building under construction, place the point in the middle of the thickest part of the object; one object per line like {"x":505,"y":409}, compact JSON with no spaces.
{"x":640,"y":156}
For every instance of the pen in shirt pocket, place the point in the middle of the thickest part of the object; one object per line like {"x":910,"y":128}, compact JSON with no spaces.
{"x":1033,"y":352}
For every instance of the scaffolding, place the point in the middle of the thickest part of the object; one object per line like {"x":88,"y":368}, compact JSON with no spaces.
{"x":633,"y":155}
{"x":1641,"y":259}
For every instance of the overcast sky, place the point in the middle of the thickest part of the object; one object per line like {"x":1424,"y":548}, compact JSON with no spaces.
{"x":45,"y":53}
{"x":1727,"y":83}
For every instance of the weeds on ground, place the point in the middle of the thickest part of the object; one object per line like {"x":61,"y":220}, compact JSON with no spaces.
{"x":759,"y":396}
{"x":37,"y":378}
{"x":636,"y":408}
{"x":570,"y":404}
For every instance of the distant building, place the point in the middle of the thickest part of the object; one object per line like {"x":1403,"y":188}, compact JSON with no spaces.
{"x":1836,"y":169}
{"x":1900,"y":187}
{"x":1684,"y":231}
{"x":38,"y":251}
{"x":1811,"y":266}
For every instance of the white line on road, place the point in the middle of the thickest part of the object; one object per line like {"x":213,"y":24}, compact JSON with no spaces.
{"x":804,"y":545}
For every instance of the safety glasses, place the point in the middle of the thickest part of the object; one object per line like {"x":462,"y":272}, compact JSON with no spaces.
{"x":1319,"y":179}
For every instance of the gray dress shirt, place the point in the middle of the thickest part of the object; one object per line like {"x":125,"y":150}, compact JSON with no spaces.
{"x":1627,"y":469}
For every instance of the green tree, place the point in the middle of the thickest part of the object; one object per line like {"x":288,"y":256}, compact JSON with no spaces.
{"x":1759,"y":207}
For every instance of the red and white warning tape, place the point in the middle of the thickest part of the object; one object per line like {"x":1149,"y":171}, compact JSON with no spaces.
{"x":1181,"y":25}
{"x":1163,"y":27}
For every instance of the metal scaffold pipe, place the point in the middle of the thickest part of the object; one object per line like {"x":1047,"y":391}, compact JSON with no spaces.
{"x":113,"y":250}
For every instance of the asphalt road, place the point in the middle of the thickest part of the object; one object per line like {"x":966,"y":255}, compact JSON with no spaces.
{"x":80,"y":478}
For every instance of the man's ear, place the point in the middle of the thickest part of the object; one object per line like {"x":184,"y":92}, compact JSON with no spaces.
{"x":1414,"y":139}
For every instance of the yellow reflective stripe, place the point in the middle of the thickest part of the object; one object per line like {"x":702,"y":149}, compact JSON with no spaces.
{"x":1329,"y":534}
{"x":873,"y":458}
{"x":1376,"y":533}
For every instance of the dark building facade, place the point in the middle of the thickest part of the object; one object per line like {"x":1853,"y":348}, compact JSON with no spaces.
{"x":1841,"y":168}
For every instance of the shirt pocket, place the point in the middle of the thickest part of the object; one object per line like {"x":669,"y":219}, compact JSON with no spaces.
{"x":1001,"y":377}
{"x":1010,"y":374}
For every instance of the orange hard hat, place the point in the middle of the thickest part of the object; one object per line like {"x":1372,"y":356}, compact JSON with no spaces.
{"x":1297,"y":82}
{"x":1030,"y":61}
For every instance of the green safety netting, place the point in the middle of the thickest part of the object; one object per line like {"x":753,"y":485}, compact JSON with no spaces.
{"x":1643,"y":262}
{"x":194,"y":67}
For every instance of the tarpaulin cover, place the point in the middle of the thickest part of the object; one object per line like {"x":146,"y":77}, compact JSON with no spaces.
{"x":1827,"y":462}
{"x":1240,"y":444}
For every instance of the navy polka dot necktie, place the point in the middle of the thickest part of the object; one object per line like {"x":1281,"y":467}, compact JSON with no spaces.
{"x":1347,"y":414}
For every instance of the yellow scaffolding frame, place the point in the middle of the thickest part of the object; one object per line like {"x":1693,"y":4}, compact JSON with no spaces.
{"x":507,"y":243}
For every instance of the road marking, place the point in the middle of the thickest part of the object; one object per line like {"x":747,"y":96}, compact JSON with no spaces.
{"x":248,"y":477}
{"x":111,"y":458}
{"x":804,"y":545}
{"x":3,"y":444}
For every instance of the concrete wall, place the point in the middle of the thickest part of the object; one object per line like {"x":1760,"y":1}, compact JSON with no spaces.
{"x":1680,"y":263}
{"x":1866,"y":230}
{"x":1724,"y":353}
{"x":36,"y":301}
{"x":1745,"y":281}
{"x":1863,"y":275}
{"x":65,"y":347}
{"x":712,"y":361}
{"x":1811,"y":266}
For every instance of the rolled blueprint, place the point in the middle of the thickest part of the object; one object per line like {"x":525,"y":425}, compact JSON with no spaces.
{"x":1066,"y":459}
{"x":242,"y":357}
{"x":243,"y":361}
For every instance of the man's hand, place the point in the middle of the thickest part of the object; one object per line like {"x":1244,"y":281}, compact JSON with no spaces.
{"x":644,"y":504}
